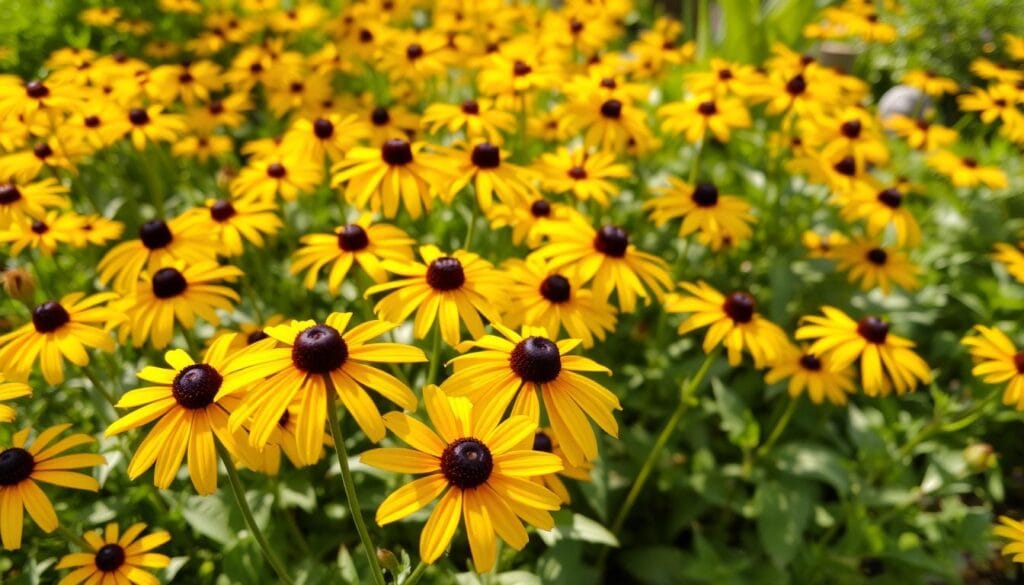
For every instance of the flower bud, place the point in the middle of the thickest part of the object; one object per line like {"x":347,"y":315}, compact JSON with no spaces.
{"x":979,"y":456}
{"x":19,"y":284}
{"x":388,"y":560}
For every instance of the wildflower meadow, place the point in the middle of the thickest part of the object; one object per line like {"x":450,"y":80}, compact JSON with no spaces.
{"x":494,"y":292}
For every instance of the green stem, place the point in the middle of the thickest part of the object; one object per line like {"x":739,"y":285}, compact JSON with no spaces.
{"x":250,"y":521}
{"x":695,"y":165}
{"x":685,"y":399}
{"x":471,"y":224}
{"x":74,"y":537}
{"x":350,"y":488}
{"x":780,"y":426}
{"x":703,"y":31}
{"x":435,"y":356}
{"x":414,"y":577}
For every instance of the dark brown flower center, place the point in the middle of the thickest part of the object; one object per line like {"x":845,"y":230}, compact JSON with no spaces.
{"x":796,"y":86}
{"x":705,"y":195}
{"x":380,"y":116}
{"x":396,"y":152}
{"x":276,"y":171}
{"x":847,"y":166}
{"x":873,"y":329}
{"x":612,"y":109}
{"x":540,"y":208}
{"x":16,"y":465}
{"x":9,"y":193}
{"x":155,"y":234}
{"x":39,"y":227}
{"x":216,"y":107}
{"x":970,"y":162}
{"x":323,"y":128}
{"x":42,"y":151}
{"x":1018,"y":361}
{"x":365,"y":36}
{"x":520,"y":68}
{"x":414,"y":51}
{"x":575,"y":26}
{"x":809,"y":362}
{"x":49,"y":316}
{"x":91,"y":121}
{"x":739,"y":306}
{"x":556,"y":288}
{"x":168,"y":283}
{"x":36,"y":90}
{"x":578,"y":173}
{"x":196,"y":386}
{"x":109,"y":558}
{"x":352,"y":238}
{"x":851,"y":129}
{"x":486,"y":156}
{"x":609,"y":83}
{"x":536,"y":360}
{"x":707,"y":108}
{"x":138,"y":117}
{"x":891,"y":197}
{"x":611,"y":241}
{"x":470,"y":107}
{"x":467,"y":463}
{"x":542,"y":442}
{"x":445,"y":273}
{"x":319,"y":349}
{"x":258,"y":335}
{"x":724,"y":74}
{"x":222,"y":211}
{"x":877,"y":256}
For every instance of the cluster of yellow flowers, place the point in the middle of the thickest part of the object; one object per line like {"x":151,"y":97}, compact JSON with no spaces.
{"x":529,"y":116}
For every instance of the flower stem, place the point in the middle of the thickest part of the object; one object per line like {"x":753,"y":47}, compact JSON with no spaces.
{"x":685,"y":399}
{"x":250,"y":521}
{"x":75,"y":538}
{"x":780,"y":426}
{"x":435,"y":356}
{"x":470,"y":225}
{"x":414,"y":577}
{"x":350,"y":488}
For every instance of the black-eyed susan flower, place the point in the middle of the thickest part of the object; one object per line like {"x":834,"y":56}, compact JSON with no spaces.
{"x":548,"y":299}
{"x":733,"y":321}
{"x":997,"y":102}
{"x":382,"y":123}
{"x":328,"y":136}
{"x":283,"y":440}
{"x":30,"y":200}
{"x":161,"y":243}
{"x":812,"y":374}
{"x":22,"y":465}
{"x":886,"y":361}
{"x":517,"y":367}
{"x":531,"y":221}
{"x":152,"y":124}
{"x":190,"y":81}
{"x":478,"y":120}
{"x":965,"y":171}
{"x":478,"y":469}
{"x":191,"y":403}
{"x":112,"y":557}
{"x":921,"y":134}
{"x":11,"y":390}
{"x":235,"y":222}
{"x":307,"y":360}
{"x":544,"y":441}
{"x":26,"y":164}
{"x":175,"y":294}
{"x":378,"y":179}
{"x":414,"y":55}
{"x":997,"y":361}
{"x":583,"y":173}
{"x":59,"y":330}
{"x":100,"y":231}
{"x":286,"y":175}
{"x":822,"y":245}
{"x":695,"y":116}
{"x":606,"y":258}
{"x":871,"y":264}
{"x":851,"y":132}
{"x":609,"y":124}
{"x":44,"y":234}
{"x":1013,"y":531}
{"x":929,"y":82}
{"x":1012,"y":258}
{"x":485,"y":166}
{"x":100,"y":16}
{"x":883,"y":209}
{"x":701,"y":207}
{"x":453,"y":289}
{"x":362,"y":242}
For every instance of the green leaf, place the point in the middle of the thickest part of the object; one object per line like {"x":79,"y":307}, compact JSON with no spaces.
{"x":655,"y":565}
{"x":571,"y":526}
{"x":783,"y":510}
{"x":809,"y":461}
{"x":209,"y":516}
{"x":737,"y":420}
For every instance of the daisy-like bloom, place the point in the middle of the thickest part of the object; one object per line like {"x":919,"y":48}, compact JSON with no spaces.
{"x":161,"y":243}
{"x":190,"y":80}
{"x":1013,"y":531}
{"x":44,"y":234}
{"x":850,"y":132}
{"x":550,"y":300}
{"x":31,"y":200}
{"x":966,"y":171}
{"x":150,"y":124}
{"x":379,"y":178}
{"x":545,"y":442}
{"x":283,"y":439}
{"x":363,"y":242}
{"x":698,"y":114}
{"x":583,"y":173}
{"x":808,"y":372}
{"x":383,"y":123}
{"x":517,"y":367}
{"x":234,"y":222}
{"x":606,"y":257}
{"x":450,"y":288}
{"x":105,"y":16}
{"x":479,"y":120}
{"x":99,"y":231}
{"x":886,"y":360}
{"x":191,"y":403}
{"x":929,"y":82}
{"x":203,"y":146}
{"x":608,"y":124}
{"x":26,"y":164}
{"x":329,"y":136}
{"x":491,"y":176}
{"x":307,"y":360}
{"x":920,"y":134}
{"x":997,"y":102}
{"x":701,"y":207}
{"x":176,"y":293}
{"x":1012,"y":258}
{"x":483,"y":468}
{"x":734,"y":322}
{"x":531,"y":221}
{"x":882,"y":209}
{"x":822,"y":245}
{"x":998,"y":361}
{"x":113,"y":557}
{"x":872,"y":264}
{"x":722,"y":78}
{"x":66,"y":328}
{"x":286,"y":175}
{"x":10,"y":390}
{"x":23,"y":465}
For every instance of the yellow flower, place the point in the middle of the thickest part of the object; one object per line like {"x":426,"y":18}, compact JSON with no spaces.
{"x":491,"y":176}
{"x":150,"y":124}
{"x":822,"y":245}
{"x":583,"y":173}
{"x":813,"y":374}
{"x":99,"y":231}
{"x":105,"y":16}
{"x":921,"y":134}
{"x":545,"y":442}
{"x":59,"y":329}
{"x":531,"y":221}
{"x":235,"y":222}
{"x":9,"y":390}
{"x":875,"y":265}
{"x":362,"y":242}
{"x":850,"y":132}
{"x":929,"y":82}
{"x":997,"y":102}
{"x":698,"y":114}
{"x":287,"y":175}
{"x":160,"y":243}
{"x":116,"y":558}
{"x":377,"y":179}
{"x":882,"y":209}
{"x":451,"y":288}
{"x":1013,"y":531}
{"x":1012,"y":258}
{"x":608,"y":124}
{"x":721,"y":218}
{"x":997,"y":361}
{"x":479,"y":120}
{"x":44,"y":234}
{"x":330,"y":136}
{"x":966,"y":171}
{"x":482,"y":467}
{"x":22,"y":466}
{"x":414,"y":55}
{"x":886,"y":360}
{"x":190,"y":81}
{"x":723,"y":78}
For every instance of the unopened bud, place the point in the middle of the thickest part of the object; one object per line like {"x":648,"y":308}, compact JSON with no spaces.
{"x":979,"y":456}
{"x":388,"y":560}
{"x":19,"y":284}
